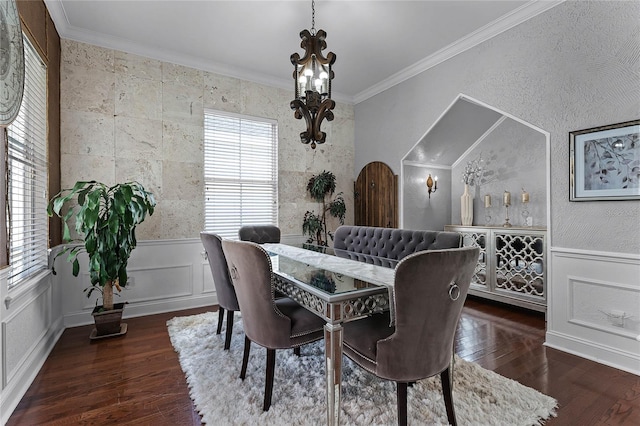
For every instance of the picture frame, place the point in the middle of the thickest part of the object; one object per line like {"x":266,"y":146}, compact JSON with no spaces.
{"x":605,"y":163}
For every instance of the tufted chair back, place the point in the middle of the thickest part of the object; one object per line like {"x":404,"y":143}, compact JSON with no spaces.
{"x":430,"y":291}
{"x":269,"y":322}
{"x":387,"y":246}
{"x":260,"y":234}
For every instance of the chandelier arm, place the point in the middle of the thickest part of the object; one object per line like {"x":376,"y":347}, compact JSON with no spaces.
{"x":324,"y":112}
{"x":313,"y":45}
{"x":301,"y":111}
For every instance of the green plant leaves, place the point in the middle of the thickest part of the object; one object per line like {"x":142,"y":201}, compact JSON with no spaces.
{"x":107,"y":218}
{"x":66,"y":234}
{"x":338,"y":208}
{"x":321,"y":185}
{"x":90,"y":243}
{"x":57,"y":205}
{"x":315,"y":225}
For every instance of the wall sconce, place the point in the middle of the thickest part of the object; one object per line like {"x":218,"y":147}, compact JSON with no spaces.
{"x":312,"y":75}
{"x":432,"y":184}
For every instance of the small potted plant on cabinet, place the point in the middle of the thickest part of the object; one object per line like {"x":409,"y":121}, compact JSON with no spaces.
{"x":320,"y":187}
{"x":105,"y":219}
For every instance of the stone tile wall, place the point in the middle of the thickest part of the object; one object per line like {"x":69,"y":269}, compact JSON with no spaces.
{"x":126,"y":117}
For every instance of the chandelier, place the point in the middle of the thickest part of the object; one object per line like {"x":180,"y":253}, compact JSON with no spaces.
{"x":312,"y":75}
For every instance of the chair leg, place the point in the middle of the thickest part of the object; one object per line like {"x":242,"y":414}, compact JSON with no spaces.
{"x":296,"y":351}
{"x":401,"y":394}
{"x":268,"y":386}
{"x":220,"y":319}
{"x":245,"y":357}
{"x":229,"y":331}
{"x":445,"y":378}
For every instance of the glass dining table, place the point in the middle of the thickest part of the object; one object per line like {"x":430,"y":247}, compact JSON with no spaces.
{"x":337,"y":289}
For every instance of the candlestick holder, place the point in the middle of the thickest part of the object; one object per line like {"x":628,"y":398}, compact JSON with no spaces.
{"x":506,"y":223}
{"x":506,"y":200}
{"x":525,"y":214}
{"x":487,"y":209}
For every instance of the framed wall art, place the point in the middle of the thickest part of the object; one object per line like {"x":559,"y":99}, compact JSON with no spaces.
{"x":605,"y":163}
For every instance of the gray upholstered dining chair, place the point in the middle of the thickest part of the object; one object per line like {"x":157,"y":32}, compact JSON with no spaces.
{"x":259,"y":234}
{"x":430,"y":290}
{"x":224,"y":288}
{"x":269,"y":322}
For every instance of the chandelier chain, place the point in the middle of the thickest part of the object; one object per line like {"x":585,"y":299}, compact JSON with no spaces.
{"x":313,"y":17}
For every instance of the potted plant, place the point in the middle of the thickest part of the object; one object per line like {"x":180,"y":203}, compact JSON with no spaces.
{"x":105,"y":219}
{"x":320,"y":187}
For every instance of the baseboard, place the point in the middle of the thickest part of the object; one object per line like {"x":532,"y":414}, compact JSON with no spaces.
{"x":16,"y":388}
{"x":602,"y":354}
{"x":132,"y":310}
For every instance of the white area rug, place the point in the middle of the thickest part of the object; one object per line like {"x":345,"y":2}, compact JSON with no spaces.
{"x":481,"y":397}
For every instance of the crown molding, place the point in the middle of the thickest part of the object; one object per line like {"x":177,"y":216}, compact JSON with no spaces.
{"x":508,"y":21}
{"x":69,"y":32}
{"x":504,"y":23}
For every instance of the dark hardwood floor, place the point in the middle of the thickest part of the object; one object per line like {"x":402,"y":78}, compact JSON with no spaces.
{"x":136,"y":379}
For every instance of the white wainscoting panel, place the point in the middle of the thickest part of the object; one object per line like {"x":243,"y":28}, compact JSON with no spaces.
{"x":605,"y":306}
{"x":30,"y":325}
{"x":208,"y":286}
{"x":22,"y":332}
{"x":167,"y":282}
{"x":594,"y":305}
{"x":164,"y":276}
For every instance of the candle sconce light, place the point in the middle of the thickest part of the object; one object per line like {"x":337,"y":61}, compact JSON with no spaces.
{"x":432,"y":184}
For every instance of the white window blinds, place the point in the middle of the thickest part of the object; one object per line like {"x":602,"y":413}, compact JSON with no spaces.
{"x":27,"y":175}
{"x":240,"y":172}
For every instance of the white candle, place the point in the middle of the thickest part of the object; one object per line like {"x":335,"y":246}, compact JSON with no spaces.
{"x":506,"y":198}
{"x":487,"y":201}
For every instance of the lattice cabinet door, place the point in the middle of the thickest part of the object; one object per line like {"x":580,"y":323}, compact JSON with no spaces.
{"x":511,"y":266}
{"x":478,"y":238}
{"x":520,"y":263}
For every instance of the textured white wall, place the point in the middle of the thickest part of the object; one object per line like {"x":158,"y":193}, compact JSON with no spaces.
{"x":420,"y":211}
{"x":128,"y":117}
{"x":573,"y":67}
{"x":514,"y":157}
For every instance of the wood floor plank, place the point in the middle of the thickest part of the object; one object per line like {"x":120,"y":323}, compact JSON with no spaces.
{"x":137,"y":379}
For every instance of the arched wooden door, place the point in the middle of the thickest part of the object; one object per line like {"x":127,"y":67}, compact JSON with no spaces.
{"x":376,"y":196}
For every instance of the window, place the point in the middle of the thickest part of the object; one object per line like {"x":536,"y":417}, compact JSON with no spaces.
{"x":240,"y":172}
{"x":27,"y":175}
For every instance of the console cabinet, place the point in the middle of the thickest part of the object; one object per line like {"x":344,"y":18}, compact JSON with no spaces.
{"x":512,"y":264}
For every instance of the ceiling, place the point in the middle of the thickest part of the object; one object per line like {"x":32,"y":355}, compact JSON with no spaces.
{"x":377,"y":43}
{"x":448,"y":139}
